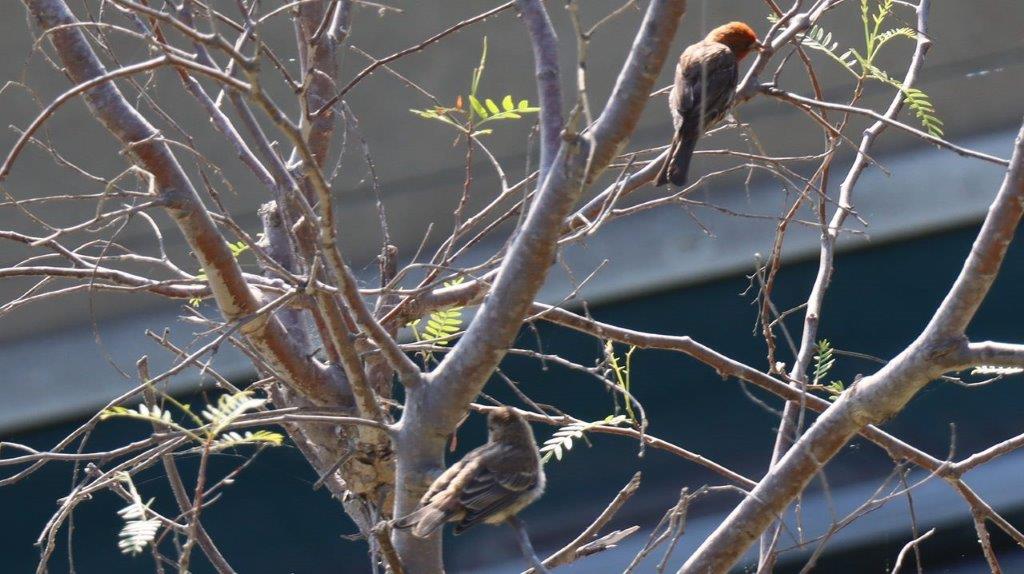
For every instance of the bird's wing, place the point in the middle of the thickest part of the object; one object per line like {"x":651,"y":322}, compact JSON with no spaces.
{"x":440,"y":504}
{"x":490,"y":491}
{"x":441,"y":483}
{"x":709,"y":74}
{"x":706,"y":77}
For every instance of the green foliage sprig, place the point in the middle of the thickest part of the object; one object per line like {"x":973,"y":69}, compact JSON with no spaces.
{"x":218,"y":418}
{"x":140,"y":523}
{"x":824,"y":360}
{"x":233,"y":439}
{"x":997,"y":371}
{"x":622,"y":369}
{"x":481,"y":110}
{"x":562,"y":439}
{"x":442,"y":326}
{"x":228,"y":409}
{"x":862,"y":64}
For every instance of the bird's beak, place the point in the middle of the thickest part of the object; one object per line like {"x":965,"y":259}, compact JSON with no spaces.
{"x":758,"y":46}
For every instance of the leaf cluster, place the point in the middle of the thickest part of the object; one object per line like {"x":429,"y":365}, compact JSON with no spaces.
{"x":562,"y":439}
{"x":997,"y":371}
{"x":481,"y":110}
{"x":140,"y":523}
{"x":824,"y":360}
{"x":621,"y":368}
{"x":442,"y":326}
{"x":861,"y":63}
{"x":212,"y":430}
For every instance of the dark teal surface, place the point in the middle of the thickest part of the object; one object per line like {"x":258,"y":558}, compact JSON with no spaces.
{"x":271,"y":521}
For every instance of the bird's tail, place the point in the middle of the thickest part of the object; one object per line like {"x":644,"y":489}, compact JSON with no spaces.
{"x":677,"y":164}
{"x":423,"y":521}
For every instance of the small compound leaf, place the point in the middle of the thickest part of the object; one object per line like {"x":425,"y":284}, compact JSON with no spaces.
{"x":478,"y":107}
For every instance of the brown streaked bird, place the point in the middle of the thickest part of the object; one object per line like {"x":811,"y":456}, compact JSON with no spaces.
{"x":490,"y":484}
{"x":706,"y":77}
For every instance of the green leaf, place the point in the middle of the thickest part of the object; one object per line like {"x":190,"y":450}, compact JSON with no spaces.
{"x":523,"y":105}
{"x":916,"y":99}
{"x":998,"y":371}
{"x":451,"y":122}
{"x":823,"y":361}
{"x":507,"y":104}
{"x":443,"y":325}
{"x":921,"y":104}
{"x":478,"y":107}
{"x":229,"y":407}
{"x":153,"y":415}
{"x":140,"y":523}
{"x":621,"y":368}
{"x":440,"y":115}
{"x":114,"y":411}
{"x":884,"y":37}
{"x":233,"y":439}
{"x":562,"y":440}
{"x":491,"y":106}
{"x":835,"y":388}
{"x":238,"y":248}
{"x":818,"y":39}
{"x":505,"y":116}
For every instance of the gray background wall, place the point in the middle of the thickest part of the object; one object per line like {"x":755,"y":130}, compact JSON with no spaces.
{"x":54,"y":358}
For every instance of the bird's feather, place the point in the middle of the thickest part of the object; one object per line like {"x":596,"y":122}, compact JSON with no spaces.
{"x":491,"y":492}
{"x":489,"y":484}
{"x":706,"y":77}
{"x":710,"y":75}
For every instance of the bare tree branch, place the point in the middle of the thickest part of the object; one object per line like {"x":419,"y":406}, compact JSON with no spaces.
{"x":615,"y":125}
{"x":805,"y":101}
{"x":441,"y":400}
{"x":523,"y":538}
{"x":878,"y":396}
{"x":570,"y":552}
{"x":907,"y":548}
{"x":789,"y":425}
{"x":991,"y":353}
{"x":324,"y":342}
{"x":549,"y":87}
{"x":179,"y":198}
